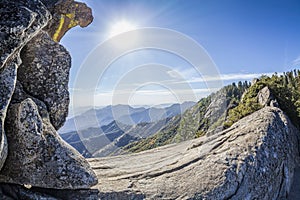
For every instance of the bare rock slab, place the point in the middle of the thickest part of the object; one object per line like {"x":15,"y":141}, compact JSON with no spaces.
{"x":254,"y":159}
{"x":37,"y":156}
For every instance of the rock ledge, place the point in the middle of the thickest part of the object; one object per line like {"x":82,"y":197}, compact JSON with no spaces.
{"x":254,"y":159}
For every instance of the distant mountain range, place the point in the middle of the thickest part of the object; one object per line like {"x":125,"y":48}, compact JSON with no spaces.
{"x":125,"y":114}
{"x":106,"y":140}
{"x":207,"y":117}
{"x":101,"y":132}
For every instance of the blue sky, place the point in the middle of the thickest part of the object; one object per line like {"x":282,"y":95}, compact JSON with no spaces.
{"x":244,"y":38}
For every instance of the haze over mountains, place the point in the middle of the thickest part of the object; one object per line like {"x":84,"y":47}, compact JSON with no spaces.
{"x":99,"y":132}
{"x":124,"y":114}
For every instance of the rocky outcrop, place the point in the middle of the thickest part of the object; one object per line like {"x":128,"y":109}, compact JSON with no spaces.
{"x":44,"y":160}
{"x":254,"y":159}
{"x":34,"y":98}
{"x":264,"y":96}
{"x":216,"y":112}
{"x":20,"y":21}
{"x":44,"y":74}
{"x":66,"y":15}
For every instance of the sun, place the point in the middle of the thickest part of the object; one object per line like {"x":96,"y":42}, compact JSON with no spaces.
{"x":121,"y":27}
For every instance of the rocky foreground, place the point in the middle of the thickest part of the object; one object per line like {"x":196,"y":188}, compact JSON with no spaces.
{"x":253,"y":159}
{"x":34,"y":98}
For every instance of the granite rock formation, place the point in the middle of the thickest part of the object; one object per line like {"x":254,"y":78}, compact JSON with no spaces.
{"x":264,"y":96}
{"x":44,"y":160}
{"x":254,"y":159}
{"x":7,"y":83}
{"x":44,"y":74}
{"x":66,"y":15}
{"x":19,"y":23}
{"x":34,"y":98}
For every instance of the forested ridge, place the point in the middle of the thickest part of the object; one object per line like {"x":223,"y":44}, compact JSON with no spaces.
{"x":240,"y":100}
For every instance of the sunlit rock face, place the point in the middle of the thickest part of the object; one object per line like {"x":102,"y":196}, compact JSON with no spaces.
{"x":34,"y":98}
{"x":254,"y":159}
{"x":38,"y":156}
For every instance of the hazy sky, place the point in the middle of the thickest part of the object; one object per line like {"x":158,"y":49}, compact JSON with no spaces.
{"x":244,"y":38}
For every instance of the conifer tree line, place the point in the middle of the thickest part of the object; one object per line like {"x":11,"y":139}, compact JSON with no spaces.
{"x":284,"y":87}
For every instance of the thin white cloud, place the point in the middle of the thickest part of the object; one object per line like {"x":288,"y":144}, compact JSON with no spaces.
{"x":189,"y":72}
{"x":296,"y":61}
{"x":228,"y":77}
{"x":240,"y":76}
{"x":223,"y":77}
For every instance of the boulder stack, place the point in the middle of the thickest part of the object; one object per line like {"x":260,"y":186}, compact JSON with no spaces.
{"x":34,"y":98}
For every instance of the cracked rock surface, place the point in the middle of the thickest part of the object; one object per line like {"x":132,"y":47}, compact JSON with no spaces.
{"x":254,"y":159}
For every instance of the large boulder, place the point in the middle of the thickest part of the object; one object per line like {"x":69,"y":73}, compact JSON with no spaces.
{"x":254,"y":159}
{"x":67,"y":14}
{"x":37,"y":156}
{"x":44,"y":74}
{"x":34,"y":98}
{"x":264,"y":96}
{"x":20,"y":21}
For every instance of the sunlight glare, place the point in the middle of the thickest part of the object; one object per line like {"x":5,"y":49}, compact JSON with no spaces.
{"x":121,"y":27}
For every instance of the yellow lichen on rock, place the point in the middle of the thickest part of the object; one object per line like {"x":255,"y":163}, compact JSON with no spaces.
{"x":59,"y":28}
{"x":68,"y":14}
{"x":73,"y":22}
{"x":67,"y":20}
